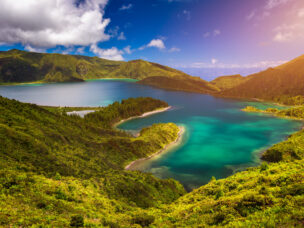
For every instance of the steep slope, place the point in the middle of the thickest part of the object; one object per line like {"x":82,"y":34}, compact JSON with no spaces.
{"x":90,"y":142}
{"x":281,"y":84}
{"x":295,"y":66}
{"x":228,"y":82}
{"x":140,"y":69}
{"x":187,"y":84}
{"x":22,"y":66}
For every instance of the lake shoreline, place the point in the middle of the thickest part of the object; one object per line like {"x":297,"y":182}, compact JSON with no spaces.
{"x":142,"y":116}
{"x":132,"y":166}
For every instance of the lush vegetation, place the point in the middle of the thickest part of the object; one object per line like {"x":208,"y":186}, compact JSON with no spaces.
{"x":228,"y":82}
{"x":127,"y":108}
{"x":294,"y":112}
{"x":271,"y":195}
{"x":189,"y":84}
{"x":292,"y":148}
{"x":22,"y":66}
{"x":283,"y":84}
{"x":59,"y":171}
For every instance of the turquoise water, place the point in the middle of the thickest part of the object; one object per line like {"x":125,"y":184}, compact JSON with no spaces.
{"x":219,"y":138}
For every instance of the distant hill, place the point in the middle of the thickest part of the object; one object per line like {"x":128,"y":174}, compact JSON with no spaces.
{"x":140,"y":69}
{"x":283,"y":84}
{"x":228,"y":82}
{"x":23,"y":66}
{"x":187,"y":84}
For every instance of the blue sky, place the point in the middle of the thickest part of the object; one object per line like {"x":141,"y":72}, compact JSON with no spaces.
{"x":201,"y":37}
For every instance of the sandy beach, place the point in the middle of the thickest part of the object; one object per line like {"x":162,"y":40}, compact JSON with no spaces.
{"x":134,"y":164}
{"x":143,"y":115}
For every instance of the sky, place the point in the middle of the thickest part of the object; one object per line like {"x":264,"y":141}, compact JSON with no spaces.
{"x":205,"y":38}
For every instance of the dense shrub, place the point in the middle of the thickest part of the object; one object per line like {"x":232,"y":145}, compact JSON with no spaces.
{"x":77,"y":221}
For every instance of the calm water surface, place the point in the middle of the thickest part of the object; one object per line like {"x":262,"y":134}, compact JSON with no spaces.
{"x":219,"y":138}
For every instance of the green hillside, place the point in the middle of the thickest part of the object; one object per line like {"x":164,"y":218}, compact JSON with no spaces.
{"x":60,"y":171}
{"x":140,"y":69}
{"x":187,"y":84}
{"x":22,"y":66}
{"x":228,"y":82}
{"x":283,"y":84}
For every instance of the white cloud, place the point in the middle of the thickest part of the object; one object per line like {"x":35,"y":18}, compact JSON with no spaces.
{"x":80,"y":50}
{"x":33,"y":49}
{"x":266,"y":10}
{"x":67,"y":51}
{"x":270,"y":4}
{"x":216,"y":64}
{"x":174,"y":49}
{"x":214,"y":61}
{"x":111,"y":54}
{"x":157,"y":43}
{"x":289,"y":32}
{"x":283,"y":36}
{"x":126,"y":7}
{"x":301,"y":13}
{"x":142,"y":47}
{"x":251,"y":15}
{"x":47,"y":23}
{"x":121,"y":36}
{"x":128,"y":50}
{"x":216,"y":32}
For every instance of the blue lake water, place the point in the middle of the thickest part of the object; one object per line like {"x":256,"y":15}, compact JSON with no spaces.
{"x":219,"y":140}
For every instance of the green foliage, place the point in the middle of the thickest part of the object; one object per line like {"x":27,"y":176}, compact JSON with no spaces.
{"x":282,"y":84}
{"x":143,"y":219}
{"x":228,"y":82}
{"x":53,"y":166}
{"x":58,"y":171}
{"x":273,"y":197}
{"x":264,"y":166}
{"x":127,"y":108}
{"x":290,"y":100}
{"x":187,"y":84}
{"x":22,"y":66}
{"x":77,"y":221}
{"x":251,"y":109}
{"x":295,"y":112}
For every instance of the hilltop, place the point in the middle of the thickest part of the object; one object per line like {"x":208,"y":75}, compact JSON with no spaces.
{"x":187,"y":84}
{"x":283,"y":84}
{"x":228,"y":82}
{"x":23,"y":66}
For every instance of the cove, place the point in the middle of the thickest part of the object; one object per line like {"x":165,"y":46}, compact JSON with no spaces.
{"x":219,"y":140}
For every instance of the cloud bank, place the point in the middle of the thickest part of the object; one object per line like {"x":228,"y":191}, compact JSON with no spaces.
{"x":48,"y":23}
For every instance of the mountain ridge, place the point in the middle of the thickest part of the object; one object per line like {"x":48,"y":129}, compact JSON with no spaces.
{"x":23,"y":66}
